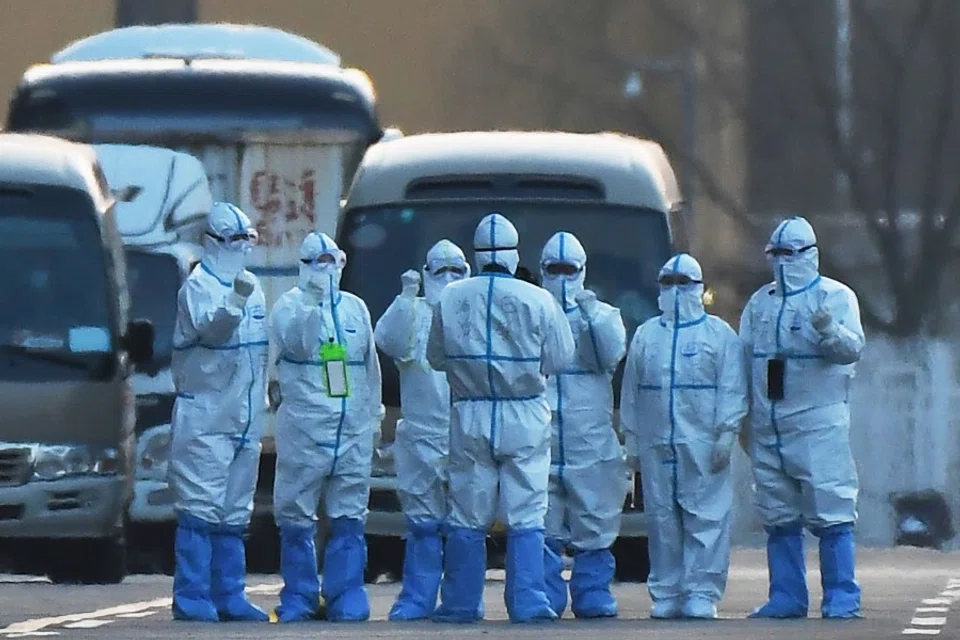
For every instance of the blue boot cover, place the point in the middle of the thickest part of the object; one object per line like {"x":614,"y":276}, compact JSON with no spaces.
{"x":465,"y":571}
{"x":422,"y":569}
{"x":300,"y":595}
{"x":590,"y":584}
{"x":344,"y":561}
{"x":788,"y":597}
{"x":841,"y":593}
{"x":556,"y":586}
{"x":229,"y":572}
{"x":525,"y":591}
{"x":191,"y":579}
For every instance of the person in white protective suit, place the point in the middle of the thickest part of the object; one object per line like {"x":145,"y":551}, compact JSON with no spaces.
{"x":683,"y":399}
{"x":497,"y":338}
{"x":329,"y":415}
{"x":423,"y":435}
{"x":588,"y":481}
{"x":803,"y":336}
{"x":219,"y":370}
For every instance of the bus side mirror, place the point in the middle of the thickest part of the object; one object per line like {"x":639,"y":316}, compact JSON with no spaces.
{"x":138,"y":341}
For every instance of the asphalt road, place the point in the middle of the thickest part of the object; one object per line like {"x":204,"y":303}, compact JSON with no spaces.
{"x":906,"y":592}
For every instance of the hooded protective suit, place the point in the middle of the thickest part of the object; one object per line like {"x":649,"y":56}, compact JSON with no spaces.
{"x":496,"y":337}
{"x":588,"y":480}
{"x":803,"y":337}
{"x":423,"y":435}
{"x":683,"y":399}
{"x":324,"y":439}
{"x":219,"y":367}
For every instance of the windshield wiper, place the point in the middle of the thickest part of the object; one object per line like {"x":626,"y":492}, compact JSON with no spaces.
{"x":56,"y":357}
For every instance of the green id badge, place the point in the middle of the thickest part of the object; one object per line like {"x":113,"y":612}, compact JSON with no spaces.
{"x":333,"y":357}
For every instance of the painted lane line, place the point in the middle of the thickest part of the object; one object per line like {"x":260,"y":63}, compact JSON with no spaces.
{"x":87,"y":624}
{"x":929,"y":625}
{"x":134,"y":609}
{"x":38,"y":624}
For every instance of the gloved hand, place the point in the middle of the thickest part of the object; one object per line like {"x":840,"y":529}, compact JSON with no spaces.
{"x":722,"y":448}
{"x":587,"y":301}
{"x":244,"y":284}
{"x":821,"y":320}
{"x":411,"y":283}
{"x":633,"y":463}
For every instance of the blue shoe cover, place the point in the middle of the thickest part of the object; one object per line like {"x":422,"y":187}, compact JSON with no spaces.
{"x":229,"y":573}
{"x":422,"y":569}
{"x":300,"y":595}
{"x":465,"y":569}
{"x":841,"y":592}
{"x":554,"y":582}
{"x":788,"y":596}
{"x":192,"y":599}
{"x":525,"y":591}
{"x":344,"y":561}
{"x":590,"y":584}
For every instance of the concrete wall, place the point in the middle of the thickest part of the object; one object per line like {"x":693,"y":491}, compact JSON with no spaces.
{"x":905,"y":435}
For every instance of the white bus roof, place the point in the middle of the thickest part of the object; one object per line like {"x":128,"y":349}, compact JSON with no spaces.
{"x":632,"y":171}
{"x":217,"y":40}
{"x":45,"y":160}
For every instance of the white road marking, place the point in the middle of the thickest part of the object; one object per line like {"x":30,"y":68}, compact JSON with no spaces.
{"x":87,"y":624}
{"x":928,"y":622}
{"x":926,"y":625}
{"x":91,"y":619}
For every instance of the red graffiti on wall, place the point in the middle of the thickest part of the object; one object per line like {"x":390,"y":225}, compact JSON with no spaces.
{"x":286,"y":207}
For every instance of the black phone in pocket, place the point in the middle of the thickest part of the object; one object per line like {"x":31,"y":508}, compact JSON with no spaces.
{"x":776,"y":368}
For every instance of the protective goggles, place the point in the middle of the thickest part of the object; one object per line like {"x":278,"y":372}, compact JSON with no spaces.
{"x":560,"y":269}
{"x":440,"y":267}
{"x":250,"y":235}
{"x":788,"y":252}
{"x":323,"y":258}
{"x":677,"y":280}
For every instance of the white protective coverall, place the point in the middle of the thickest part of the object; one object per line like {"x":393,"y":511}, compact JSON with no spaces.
{"x":804,"y":330}
{"x":219,"y":369}
{"x":497,"y":338}
{"x":588,"y":481}
{"x":683,"y":399}
{"x":324,"y":441}
{"x":423,"y":434}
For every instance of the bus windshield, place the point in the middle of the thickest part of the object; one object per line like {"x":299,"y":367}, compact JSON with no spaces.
{"x":625,"y":246}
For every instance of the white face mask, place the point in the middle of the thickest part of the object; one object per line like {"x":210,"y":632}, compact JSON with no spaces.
{"x":793,"y":273}
{"x":226,"y":262}
{"x":323,"y":278}
{"x":434,"y":285}
{"x":564,"y":288}
{"x":681,"y":303}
